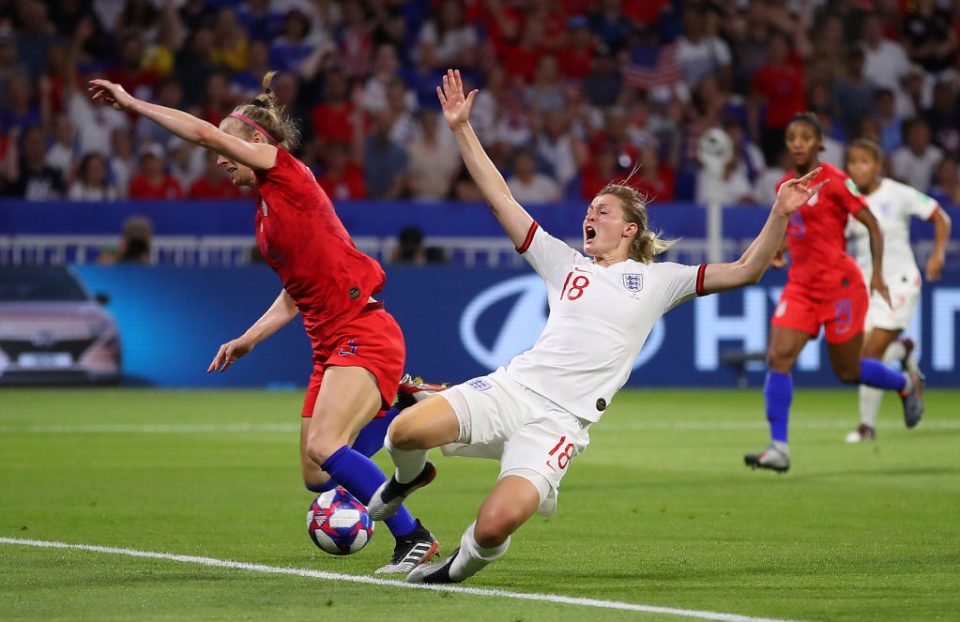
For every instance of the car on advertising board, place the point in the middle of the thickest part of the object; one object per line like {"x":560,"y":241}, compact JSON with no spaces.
{"x":52,"y":331}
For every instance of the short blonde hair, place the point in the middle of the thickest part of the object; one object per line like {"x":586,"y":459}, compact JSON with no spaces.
{"x":647,"y":244}
{"x":271,"y":116}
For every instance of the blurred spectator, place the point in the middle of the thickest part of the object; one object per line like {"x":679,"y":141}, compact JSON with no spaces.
{"x":654,"y":179}
{"x":333,"y":119}
{"x":576,"y":58}
{"x":828,"y":58}
{"x":912,"y":97}
{"x":169,"y":94}
{"x":260,"y":19}
{"x":700,"y":52}
{"x":547,"y":91}
{"x":891,"y":124}
{"x":22,"y":110}
{"x":885,"y":61}
{"x":35,"y":34}
{"x":946,"y":188}
{"x":465,"y":189}
{"x":356,"y":41}
{"x":123,"y":163}
{"x":194,"y":64}
{"x":602,"y":86}
{"x":599,"y":171}
{"x":29,"y":176}
{"x":216,"y":103}
{"x":498,"y":113}
{"x":751,"y":32}
{"x":914,"y":162}
{"x":292,"y":47}
{"x":10,"y":65}
{"x":247,"y":84}
{"x":616,"y":134}
{"x":130,"y":73}
{"x":778,"y":91}
{"x":722,"y":178}
{"x":342,"y":177}
{"x":556,"y":147}
{"x":152,"y":181}
{"x":159,"y":57}
{"x":134,"y":246}
{"x":852,"y":97}
{"x":943,"y":117}
{"x":386,"y":67}
{"x":928,"y":36}
{"x":447,"y":40}
{"x":62,"y":155}
{"x":527,"y":185}
{"x":520,"y":58}
{"x":90,"y":182}
{"x":403,"y":127}
{"x":386,"y":162}
{"x":214,"y":183}
{"x":833,"y":151}
{"x":230,"y":42}
{"x":765,"y":188}
{"x":409,"y":248}
{"x":185,"y":161}
{"x":434,"y":162}
{"x":137,"y":16}
{"x":751,"y":162}
{"x":610,"y":25}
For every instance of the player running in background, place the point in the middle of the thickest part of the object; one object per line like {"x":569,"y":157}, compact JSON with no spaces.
{"x":358,"y":349}
{"x":535,"y":414}
{"x":893,"y":204}
{"x":824,"y":288}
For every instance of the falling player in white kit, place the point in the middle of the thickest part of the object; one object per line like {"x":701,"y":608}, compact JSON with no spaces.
{"x":893,"y":204}
{"x":535,"y":414}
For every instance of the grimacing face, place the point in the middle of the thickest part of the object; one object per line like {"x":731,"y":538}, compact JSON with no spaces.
{"x":604,"y":226}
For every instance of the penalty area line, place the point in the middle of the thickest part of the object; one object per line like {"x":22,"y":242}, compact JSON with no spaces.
{"x":335,"y":576}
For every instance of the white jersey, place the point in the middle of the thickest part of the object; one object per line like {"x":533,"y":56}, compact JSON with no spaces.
{"x":893,"y":203}
{"x":600,"y":317}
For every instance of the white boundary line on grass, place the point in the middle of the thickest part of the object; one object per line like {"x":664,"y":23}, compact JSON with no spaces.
{"x":335,"y":576}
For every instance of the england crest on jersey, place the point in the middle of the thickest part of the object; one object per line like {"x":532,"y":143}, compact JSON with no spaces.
{"x":633,"y":282}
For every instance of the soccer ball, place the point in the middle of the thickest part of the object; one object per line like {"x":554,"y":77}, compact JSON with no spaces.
{"x":338,"y":523}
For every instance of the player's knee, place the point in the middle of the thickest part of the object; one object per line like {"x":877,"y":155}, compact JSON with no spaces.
{"x":494,"y":526}
{"x":849,"y":375}
{"x":320,"y":449}
{"x":401,"y":435}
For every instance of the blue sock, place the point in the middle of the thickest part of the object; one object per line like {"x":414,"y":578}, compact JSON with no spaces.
{"x":361,"y":477}
{"x":778,"y":394}
{"x":873,"y":373}
{"x":370,"y":439}
{"x":330,"y":484}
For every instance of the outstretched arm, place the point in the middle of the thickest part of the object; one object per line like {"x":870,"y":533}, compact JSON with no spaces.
{"x":456,"y":110}
{"x":941,"y":227}
{"x":188,"y":127}
{"x":751,"y":266}
{"x":276,"y":317}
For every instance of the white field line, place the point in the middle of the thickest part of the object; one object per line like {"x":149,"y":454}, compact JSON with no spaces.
{"x":335,"y":576}
{"x":615,"y":424}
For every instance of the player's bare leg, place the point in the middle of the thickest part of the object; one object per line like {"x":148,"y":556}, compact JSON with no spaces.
{"x":347,"y":401}
{"x":782,"y":352}
{"x":513,"y":500}
{"x":428,"y":424}
{"x":879,"y":344}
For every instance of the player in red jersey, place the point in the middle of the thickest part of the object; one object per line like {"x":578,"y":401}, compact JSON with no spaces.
{"x":824,"y":288}
{"x":358,"y":349}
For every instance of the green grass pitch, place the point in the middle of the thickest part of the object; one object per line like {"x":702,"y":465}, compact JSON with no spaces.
{"x":658,"y":511}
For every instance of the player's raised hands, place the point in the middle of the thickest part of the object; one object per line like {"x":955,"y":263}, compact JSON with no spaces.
{"x":456,"y":106}
{"x":110,"y":93}
{"x":794,"y":193}
{"x":229,"y":353}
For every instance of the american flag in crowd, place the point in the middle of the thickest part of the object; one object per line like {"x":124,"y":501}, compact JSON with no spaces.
{"x":652,"y":66}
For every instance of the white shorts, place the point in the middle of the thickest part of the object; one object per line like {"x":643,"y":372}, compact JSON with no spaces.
{"x":904,"y":294}
{"x":532,"y":437}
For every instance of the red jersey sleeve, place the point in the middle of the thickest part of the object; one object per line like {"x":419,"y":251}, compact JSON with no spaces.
{"x":845,"y":191}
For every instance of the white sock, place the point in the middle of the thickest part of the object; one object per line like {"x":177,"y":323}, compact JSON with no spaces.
{"x":870,"y":399}
{"x":409,"y":461}
{"x":894,"y":352}
{"x":472,"y":557}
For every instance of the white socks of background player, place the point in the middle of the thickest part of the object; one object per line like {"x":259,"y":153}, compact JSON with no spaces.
{"x":410,"y":462}
{"x":472,"y":558}
{"x":870,"y":398}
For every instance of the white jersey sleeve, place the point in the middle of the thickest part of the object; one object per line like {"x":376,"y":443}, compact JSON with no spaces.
{"x":681,"y":282}
{"x":919,"y":204}
{"x":549,"y":257}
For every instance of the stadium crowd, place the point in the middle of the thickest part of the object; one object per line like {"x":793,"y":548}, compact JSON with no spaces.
{"x":574,"y":92}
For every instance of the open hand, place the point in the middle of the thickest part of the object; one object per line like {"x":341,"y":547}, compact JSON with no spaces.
{"x":111,"y":93}
{"x":456,"y":107}
{"x":229,"y":353}
{"x":877,"y":284}
{"x":795,"y":193}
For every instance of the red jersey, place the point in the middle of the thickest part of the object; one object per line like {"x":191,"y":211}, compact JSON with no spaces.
{"x":818,"y":256}
{"x":303,"y":240}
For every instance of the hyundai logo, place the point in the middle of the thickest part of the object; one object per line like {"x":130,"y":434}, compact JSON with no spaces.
{"x":524,"y":322}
